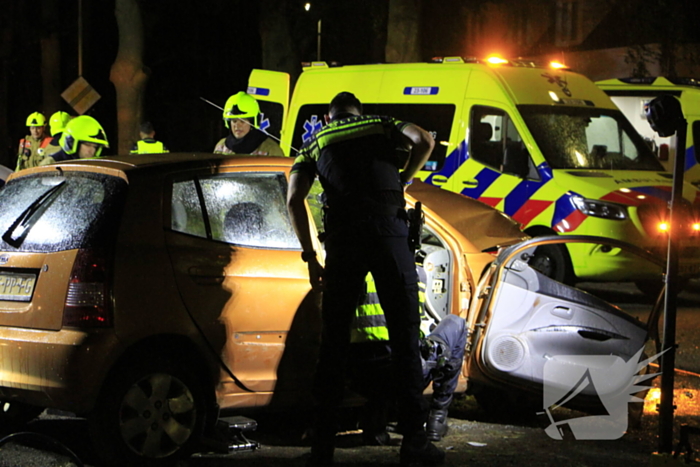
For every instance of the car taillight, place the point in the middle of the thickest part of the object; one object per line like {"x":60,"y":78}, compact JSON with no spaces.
{"x":87,"y":298}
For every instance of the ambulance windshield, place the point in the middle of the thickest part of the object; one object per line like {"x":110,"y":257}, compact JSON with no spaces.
{"x":588,"y":138}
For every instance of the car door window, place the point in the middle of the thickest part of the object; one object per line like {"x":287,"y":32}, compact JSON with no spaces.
{"x":241,"y":208}
{"x":186,"y":215}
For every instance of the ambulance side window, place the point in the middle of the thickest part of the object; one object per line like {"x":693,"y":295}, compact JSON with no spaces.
{"x":437,"y":119}
{"x":485,"y":135}
{"x":492,"y":135}
{"x":271,"y":118}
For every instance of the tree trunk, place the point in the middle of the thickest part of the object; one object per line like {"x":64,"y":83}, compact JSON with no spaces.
{"x":50,"y":57}
{"x":403,"y":36}
{"x":277,"y":51}
{"x":128,"y":75}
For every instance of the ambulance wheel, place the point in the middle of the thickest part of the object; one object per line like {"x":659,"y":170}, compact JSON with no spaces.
{"x":553,"y":261}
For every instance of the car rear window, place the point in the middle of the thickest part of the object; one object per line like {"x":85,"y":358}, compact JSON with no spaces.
{"x":51,"y":212}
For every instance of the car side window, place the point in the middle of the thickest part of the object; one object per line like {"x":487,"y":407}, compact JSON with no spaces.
{"x":186,"y":211}
{"x":249,"y":209}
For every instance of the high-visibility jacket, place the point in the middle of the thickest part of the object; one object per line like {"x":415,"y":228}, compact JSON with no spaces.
{"x":148,"y":146}
{"x":269,"y":147}
{"x":31,"y":151}
{"x":369,"y":323}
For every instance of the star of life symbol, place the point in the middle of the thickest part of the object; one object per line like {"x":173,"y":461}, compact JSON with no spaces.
{"x":264,"y":122}
{"x":559,"y":81}
{"x":311,"y":127}
{"x":608,"y":378}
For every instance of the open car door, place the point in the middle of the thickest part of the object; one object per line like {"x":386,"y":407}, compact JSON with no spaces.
{"x":528,"y":321}
{"x":271,"y":89}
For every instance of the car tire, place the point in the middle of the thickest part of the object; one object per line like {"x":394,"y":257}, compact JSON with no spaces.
{"x":149,"y":414}
{"x":553,"y":261}
{"x":14,"y":415}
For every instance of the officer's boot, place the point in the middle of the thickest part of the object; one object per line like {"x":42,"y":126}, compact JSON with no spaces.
{"x":436,"y":427}
{"x":417,"y":451}
{"x":373,"y":423}
{"x":321,"y":452}
{"x":322,"y":441}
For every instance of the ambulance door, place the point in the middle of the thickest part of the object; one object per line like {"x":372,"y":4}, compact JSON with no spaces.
{"x":498,"y":169}
{"x":271,"y":89}
{"x":438,"y":119}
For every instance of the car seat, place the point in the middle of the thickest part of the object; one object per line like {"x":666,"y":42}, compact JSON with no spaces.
{"x":483,"y":149}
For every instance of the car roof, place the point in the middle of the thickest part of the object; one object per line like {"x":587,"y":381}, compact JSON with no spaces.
{"x":121,"y":166}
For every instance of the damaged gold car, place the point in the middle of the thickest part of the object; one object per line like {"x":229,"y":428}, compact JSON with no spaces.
{"x":151,"y":294}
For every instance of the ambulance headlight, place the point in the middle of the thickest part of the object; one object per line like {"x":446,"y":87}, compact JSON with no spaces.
{"x":597,"y":208}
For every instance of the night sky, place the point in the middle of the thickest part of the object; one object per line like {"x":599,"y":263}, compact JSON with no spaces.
{"x":193,"y":49}
{"x":207,"y":48}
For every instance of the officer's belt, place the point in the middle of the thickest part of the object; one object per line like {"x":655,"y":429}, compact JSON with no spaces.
{"x":370,"y":209}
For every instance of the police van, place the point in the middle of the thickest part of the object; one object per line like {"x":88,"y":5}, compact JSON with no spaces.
{"x":542,"y":144}
{"x":632,"y":95}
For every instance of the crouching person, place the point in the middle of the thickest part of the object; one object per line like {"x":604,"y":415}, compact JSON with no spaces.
{"x":442,"y":354}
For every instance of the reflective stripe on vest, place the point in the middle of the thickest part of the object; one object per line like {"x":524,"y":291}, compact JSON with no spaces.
{"x":369,"y":323}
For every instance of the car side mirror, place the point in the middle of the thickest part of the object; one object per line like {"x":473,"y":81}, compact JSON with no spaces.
{"x":515,"y":160}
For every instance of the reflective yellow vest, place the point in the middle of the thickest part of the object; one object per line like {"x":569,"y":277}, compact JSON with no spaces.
{"x":149,"y":146}
{"x":369,"y":323}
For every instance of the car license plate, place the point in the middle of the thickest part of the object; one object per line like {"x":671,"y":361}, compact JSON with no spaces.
{"x":17,"y":287}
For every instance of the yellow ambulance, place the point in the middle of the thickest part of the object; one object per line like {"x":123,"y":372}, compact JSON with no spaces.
{"x":542,"y":144}
{"x":632,"y":95}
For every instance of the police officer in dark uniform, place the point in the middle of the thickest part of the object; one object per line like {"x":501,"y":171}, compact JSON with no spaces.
{"x":366,"y":231}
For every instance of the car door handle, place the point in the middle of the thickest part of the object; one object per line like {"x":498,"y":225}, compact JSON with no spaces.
{"x":471,"y":183}
{"x":206,"y":276}
{"x":438,"y":180}
{"x":563,"y":312}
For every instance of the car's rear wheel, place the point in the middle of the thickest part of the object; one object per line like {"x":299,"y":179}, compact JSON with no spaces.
{"x":553,"y":261}
{"x":14,"y":415}
{"x":149,"y":414}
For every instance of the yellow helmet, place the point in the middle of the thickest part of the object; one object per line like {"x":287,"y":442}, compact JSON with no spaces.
{"x":58,"y":122}
{"x":83,"y":129}
{"x":36,"y":119}
{"x":241,"y":105}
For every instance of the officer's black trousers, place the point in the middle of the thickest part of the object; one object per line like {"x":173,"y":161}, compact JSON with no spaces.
{"x":348,"y":259}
